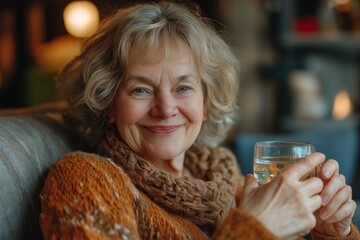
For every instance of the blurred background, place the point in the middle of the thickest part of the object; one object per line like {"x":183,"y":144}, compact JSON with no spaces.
{"x":300,"y":74}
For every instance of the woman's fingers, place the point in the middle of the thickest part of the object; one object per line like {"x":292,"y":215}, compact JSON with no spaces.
{"x":329,"y":168}
{"x":305,"y":166}
{"x":312,"y":187}
{"x":345,"y":211}
{"x":314,"y":203}
{"x":332,"y":187}
{"x":334,"y":206}
{"x":250,"y":183}
{"x":334,"y":218}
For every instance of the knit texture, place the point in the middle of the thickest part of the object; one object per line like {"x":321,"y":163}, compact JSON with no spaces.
{"x":86,"y":196}
{"x":354,"y":235}
{"x":205,"y":199}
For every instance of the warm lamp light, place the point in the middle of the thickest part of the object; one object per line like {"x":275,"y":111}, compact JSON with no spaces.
{"x":342,"y":5}
{"x":342,"y":106}
{"x":81,"y":18}
{"x":339,"y":2}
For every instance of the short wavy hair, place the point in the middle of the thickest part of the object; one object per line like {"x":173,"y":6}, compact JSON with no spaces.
{"x":91,"y":80}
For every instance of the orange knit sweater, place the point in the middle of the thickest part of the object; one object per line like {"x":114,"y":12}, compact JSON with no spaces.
{"x":88,"y":197}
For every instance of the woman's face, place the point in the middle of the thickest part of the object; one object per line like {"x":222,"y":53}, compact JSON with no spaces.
{"x":159,"y":109}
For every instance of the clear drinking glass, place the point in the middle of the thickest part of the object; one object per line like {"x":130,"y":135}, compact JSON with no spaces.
{"x":272,"y":157}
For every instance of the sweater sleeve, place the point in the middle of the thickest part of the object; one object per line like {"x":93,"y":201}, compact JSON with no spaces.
{"x":354,"y":235}
{"x":240,"y":225}
{"x":79,"y":189}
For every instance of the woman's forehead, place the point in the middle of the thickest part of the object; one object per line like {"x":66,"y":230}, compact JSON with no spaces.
{"x":160,"y":50}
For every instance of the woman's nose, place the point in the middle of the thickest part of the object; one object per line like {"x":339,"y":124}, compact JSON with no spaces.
{"x":164,"y":106}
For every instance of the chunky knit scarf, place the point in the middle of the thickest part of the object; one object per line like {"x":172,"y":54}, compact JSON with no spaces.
{"x":204,"y":200}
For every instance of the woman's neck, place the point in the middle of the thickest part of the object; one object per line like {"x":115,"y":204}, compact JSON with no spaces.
{"x":174,"y":166}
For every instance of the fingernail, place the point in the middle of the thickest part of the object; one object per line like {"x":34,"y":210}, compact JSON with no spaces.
{"x":325,"y":200}
{"x":326,"y":173}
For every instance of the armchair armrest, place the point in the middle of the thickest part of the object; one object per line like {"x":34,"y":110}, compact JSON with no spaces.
{"x":29,"y":145}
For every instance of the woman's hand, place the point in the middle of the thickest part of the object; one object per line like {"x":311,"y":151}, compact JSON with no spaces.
{"x":286,"y":205}
{"x":334,"y":217}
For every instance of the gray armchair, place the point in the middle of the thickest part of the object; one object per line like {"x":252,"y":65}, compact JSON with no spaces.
{"x":31,"y":140}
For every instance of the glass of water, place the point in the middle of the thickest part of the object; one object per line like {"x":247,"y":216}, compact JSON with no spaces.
{"x":272,"y":157}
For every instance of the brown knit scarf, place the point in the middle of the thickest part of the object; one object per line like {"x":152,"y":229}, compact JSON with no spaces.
{"x":204,"y":200}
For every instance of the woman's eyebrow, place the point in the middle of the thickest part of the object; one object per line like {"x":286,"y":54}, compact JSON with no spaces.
{"x":139,"y":77}
{"x":186,"y":76}
{"x":142,"y":78}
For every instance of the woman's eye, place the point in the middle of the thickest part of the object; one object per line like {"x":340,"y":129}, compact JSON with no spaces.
{"x":140,"y":90}
{"x":184,"y":88}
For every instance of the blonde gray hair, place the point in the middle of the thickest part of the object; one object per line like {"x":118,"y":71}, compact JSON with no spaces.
{"x":90,"y":81}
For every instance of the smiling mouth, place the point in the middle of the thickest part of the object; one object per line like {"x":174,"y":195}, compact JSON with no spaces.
{"x":162,"y":129}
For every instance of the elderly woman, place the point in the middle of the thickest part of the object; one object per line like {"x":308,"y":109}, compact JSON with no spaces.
{"x":153,"y":92}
